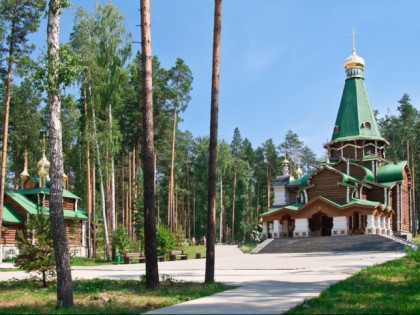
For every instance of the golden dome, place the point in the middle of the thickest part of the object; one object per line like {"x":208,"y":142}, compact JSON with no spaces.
{"x":24,"y":174}
{"x":299,"y":172}
{"x":43,"y":163}
{"x":42,"y":172}
{"x":354,"y":61}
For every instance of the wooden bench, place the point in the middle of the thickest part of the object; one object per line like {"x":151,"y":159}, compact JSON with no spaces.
{"x":175,"y":254}
{"x":135,"y":257}
{"x":161,"y":258}
{"x":19,"y":261}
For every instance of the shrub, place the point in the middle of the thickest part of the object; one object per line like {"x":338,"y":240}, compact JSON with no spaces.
{"x":36,"y":247}
{"x":165,"y":240}
{"x":121,"y":240}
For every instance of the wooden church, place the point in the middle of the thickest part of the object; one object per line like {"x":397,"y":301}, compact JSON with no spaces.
{"x":357,"y":190}
{"x":33,"y":196}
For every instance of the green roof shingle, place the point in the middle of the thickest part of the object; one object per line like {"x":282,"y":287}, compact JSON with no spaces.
{"x":9,"y":216}
{"x":355,"y":118}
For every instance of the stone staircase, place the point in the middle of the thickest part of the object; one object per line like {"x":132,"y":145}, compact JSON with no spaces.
{"x":348,"y":243}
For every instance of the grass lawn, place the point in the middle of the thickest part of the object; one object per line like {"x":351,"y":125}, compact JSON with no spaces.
{"x":101,"y":296}
{"x":389,"y":288}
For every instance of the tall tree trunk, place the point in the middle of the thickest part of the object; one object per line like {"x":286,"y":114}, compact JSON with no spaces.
{"x":413,"y":192}
{"x":101,"y":182}
{"x":58,"y":228}
{"x":233,"y":206}
{"x":88,"y":179}
{"x":195,"y":236}
{"x":221,"y":211}
{"x":130,"y":192}
{"x":171,"y":178}
{"x":111,"y":152}
{"x":268,"y":186}
{"x":152,"y":271}
{"x":211,"y":209}
{"x":95,"y":222}
{"x":6,"y":127}
{"x":188,"y":216}
{"x":123,"y":186}
{"x":93,"y":188}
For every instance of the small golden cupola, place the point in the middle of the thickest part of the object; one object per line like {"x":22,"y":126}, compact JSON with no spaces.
{"x":354,"y":64}
{"x":65,"y":180}
{"x":25,"y":174}
{"x":299,"y":170}
{"x":43,"y":161}
{"x":43,"y":167}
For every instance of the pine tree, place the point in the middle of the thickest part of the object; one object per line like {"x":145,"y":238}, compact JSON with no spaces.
{"x":20,"y":18}
{"x":64,"y":279}
{"x":214,"y":122}
{"x":36,"y":249}
{"x":152,"y":271}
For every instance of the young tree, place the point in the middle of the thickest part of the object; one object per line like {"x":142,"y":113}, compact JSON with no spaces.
{"x":64,"y":279}
{"x":211,"y":208}
{"x":180,"y":80}
{"x":36,"y":247}
{"x":20,"y":18}
{"x":152,"y":271}
{"x":114,"y":49}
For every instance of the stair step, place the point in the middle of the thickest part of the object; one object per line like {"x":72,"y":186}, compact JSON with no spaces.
{"x":332,"y":244}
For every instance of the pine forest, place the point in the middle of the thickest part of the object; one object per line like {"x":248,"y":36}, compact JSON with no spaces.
{"x":102,"y":128}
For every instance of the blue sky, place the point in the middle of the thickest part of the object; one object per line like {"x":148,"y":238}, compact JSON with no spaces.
{"x":281,"y":60}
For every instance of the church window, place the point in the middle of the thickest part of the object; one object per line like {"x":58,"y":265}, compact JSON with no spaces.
{"x":362,"y":126}
{"x":368,"y":125}
{"x":335,"y":129}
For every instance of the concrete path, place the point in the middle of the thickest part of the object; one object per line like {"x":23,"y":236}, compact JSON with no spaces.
{"x":268,"y":283}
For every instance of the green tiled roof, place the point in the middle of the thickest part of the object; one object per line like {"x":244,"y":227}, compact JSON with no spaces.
{"x":31,"y":207}
{"x":70,"y":214}
{"x":355,"y":118}
{"x":391,"y":172}
{"x":353,"y":201}
{"x":9,"y":216}
{"x":303,"y":181}
{"x":23,"y":201}
{"x":293,"y":207}
{"x":363,"y":202}
{"x":46,"y":191}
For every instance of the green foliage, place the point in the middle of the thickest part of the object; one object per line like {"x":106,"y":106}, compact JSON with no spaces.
{"x":68,"y":67}
{"x":36,"y":251}
{"x":165,"y":240}
{"x":121,"y":240}
{"x":413,"y":254}
{"x":18,"y":20}
{"x":389,"y":288}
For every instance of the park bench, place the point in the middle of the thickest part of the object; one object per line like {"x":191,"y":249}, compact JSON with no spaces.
{"x":175,"y":254}
{"x":136,"y":257}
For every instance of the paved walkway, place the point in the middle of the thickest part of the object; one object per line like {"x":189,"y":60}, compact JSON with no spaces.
{"x":268,"y":283}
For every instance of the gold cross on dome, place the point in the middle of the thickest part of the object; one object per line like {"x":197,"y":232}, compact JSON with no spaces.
{"x":353,"y":34}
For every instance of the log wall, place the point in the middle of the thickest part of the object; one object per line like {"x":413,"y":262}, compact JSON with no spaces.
{"x":325,"y":184}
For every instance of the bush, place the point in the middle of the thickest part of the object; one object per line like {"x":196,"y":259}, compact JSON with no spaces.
{"x":36,"y":247}
{"x":121,"y":240}
{"x":165,"y":240}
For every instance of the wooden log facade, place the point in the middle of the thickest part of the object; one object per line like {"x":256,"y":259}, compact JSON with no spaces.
{"x":32,"y":197}
{"x":357,"y":190}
